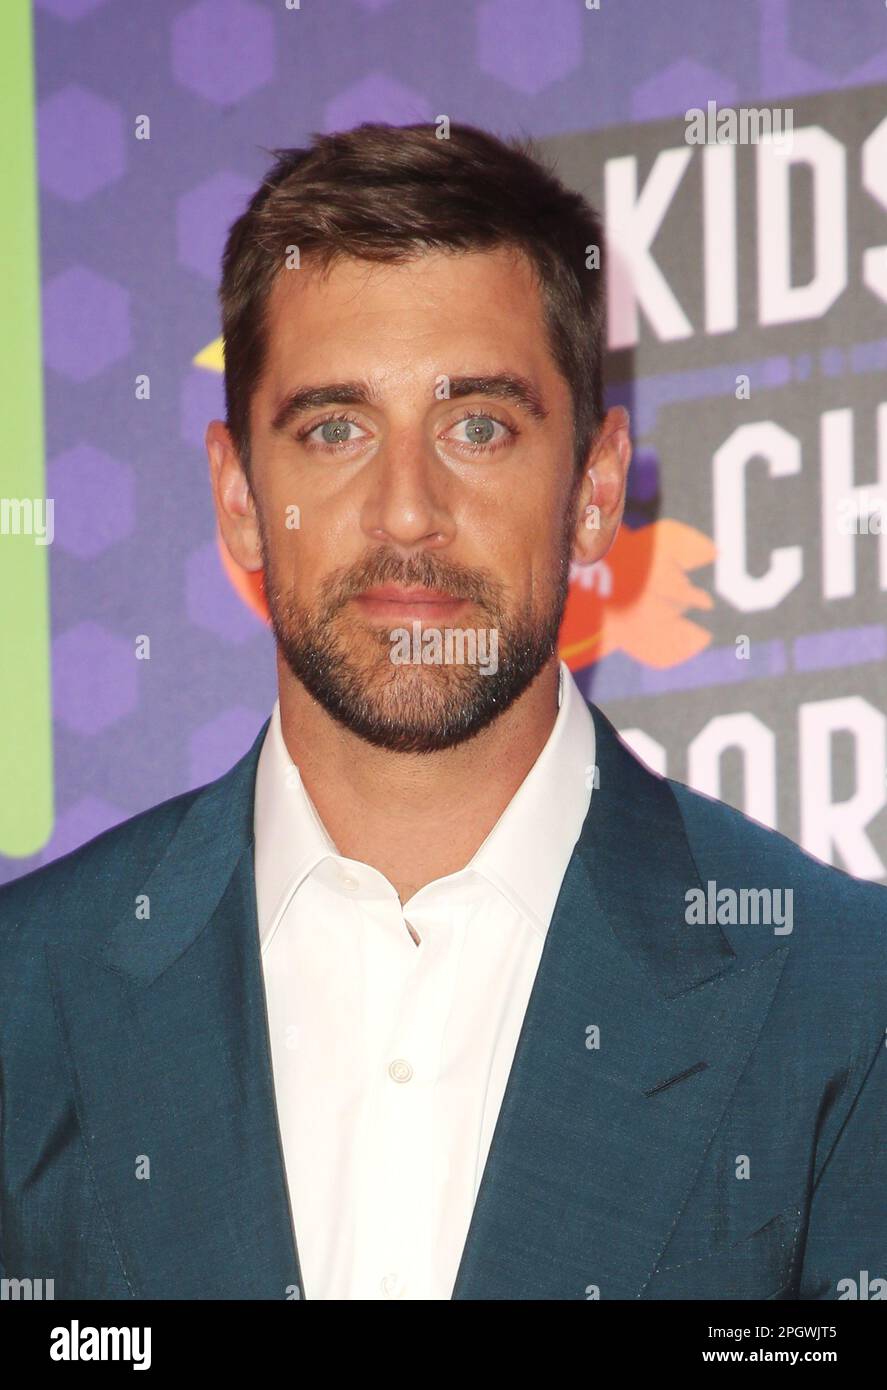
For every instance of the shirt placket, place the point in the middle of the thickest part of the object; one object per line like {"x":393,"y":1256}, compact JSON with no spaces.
{"x":406,"y":1007}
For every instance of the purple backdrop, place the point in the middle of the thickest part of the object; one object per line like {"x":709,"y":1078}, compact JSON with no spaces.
{"x":131,"y":236}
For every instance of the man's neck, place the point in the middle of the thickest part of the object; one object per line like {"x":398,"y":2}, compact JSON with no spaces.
{"x":414,"y":816}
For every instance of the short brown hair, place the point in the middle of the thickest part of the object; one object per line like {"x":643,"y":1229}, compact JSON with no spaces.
{"x":386,"y":193}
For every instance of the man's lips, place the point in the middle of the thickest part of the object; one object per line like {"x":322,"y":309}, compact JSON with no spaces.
{"x":395,"y":593}
{"x":390,"y":601}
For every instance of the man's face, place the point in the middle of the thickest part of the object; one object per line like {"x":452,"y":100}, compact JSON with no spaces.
{"x":426,"y":485}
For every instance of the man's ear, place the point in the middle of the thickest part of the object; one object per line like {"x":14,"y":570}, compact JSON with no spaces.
{"x":233,"y":498}
{"x":601,"y":496}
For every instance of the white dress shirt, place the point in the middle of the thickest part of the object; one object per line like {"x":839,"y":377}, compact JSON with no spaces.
{"x":391,"y":1047}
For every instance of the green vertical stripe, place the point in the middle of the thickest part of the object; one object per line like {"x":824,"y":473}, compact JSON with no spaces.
{"x":26,"y":804}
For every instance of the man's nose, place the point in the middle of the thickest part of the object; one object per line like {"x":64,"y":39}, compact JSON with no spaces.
{"x":407,"y":503}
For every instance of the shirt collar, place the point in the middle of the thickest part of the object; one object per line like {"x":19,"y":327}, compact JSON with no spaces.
{"x":290,"y":838}
{"x":525,"y":855}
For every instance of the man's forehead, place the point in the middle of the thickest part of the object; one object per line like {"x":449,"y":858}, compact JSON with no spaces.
{"x":345,"y":278}
{"x":311,"y":342}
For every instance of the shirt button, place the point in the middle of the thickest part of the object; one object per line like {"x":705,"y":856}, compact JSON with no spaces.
{"x":351,"y":884}
{"x":400,"y":1070}
{"x":390,"y":1286}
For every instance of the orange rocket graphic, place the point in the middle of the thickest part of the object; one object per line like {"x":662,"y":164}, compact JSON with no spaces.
{"x":635,"y":599}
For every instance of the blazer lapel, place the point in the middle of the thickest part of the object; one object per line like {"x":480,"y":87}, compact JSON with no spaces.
{"x":597,"y":1146}
{"x":166,"y":1038}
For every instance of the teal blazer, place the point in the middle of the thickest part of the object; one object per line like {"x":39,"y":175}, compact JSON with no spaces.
{"x":695,"y":1109}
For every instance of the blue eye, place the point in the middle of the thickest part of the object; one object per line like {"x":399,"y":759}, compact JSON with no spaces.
{"x":334,"y":433}
{"x":481,"y":431}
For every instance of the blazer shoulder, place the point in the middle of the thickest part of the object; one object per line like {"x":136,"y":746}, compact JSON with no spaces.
{"x":87,"y":881}
{"x":83,"y":886}
{"x":839,"y":922}
{"x":714,"y":826}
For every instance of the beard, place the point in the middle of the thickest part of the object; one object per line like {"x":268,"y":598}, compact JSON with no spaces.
{"x":346,"y":664}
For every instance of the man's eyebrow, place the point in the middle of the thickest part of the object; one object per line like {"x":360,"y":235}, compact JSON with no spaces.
{"x":506,"y":386}
{"x":313,"y":397}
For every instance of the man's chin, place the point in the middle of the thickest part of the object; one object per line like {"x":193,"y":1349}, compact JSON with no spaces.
{"x":411,"y":708}
{"x":410,"y":704}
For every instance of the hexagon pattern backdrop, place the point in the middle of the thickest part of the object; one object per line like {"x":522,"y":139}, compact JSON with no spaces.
{"x":130,"y":235}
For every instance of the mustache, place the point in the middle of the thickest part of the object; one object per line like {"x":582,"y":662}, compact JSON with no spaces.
{"x":387,"y":567}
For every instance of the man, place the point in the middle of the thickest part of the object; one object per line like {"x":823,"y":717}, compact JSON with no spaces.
{"x":426,"y":997}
